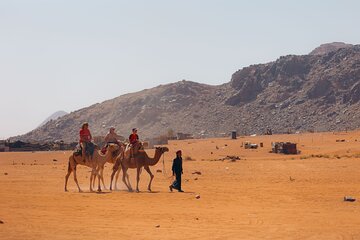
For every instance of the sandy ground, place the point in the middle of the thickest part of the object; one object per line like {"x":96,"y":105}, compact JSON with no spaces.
{"x":261,"y":196}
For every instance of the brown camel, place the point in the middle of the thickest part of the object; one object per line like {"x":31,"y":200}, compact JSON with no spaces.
{"x":141,"y":159}
{"x":96,"y":162}
{"x":112,"y":161}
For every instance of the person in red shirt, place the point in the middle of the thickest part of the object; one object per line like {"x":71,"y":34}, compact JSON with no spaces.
{"x":85,"y":138}
{"x":133,"y":138}
{"x":134,"y":142}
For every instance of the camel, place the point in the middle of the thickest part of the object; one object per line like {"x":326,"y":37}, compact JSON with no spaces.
{"x":112,"y":161}
{"x":141,"y":159}
{"x":96,"y":163}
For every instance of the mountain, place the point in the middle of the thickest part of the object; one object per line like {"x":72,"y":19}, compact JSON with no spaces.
{"x":53,"y":116}
{"x":329,"y":47}
{"x":315,"y":92}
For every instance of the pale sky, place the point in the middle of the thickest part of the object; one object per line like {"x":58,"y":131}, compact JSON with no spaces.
{"x":69,"y":54}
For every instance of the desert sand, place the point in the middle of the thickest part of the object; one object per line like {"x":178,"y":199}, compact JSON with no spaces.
{"x":261,"y":196}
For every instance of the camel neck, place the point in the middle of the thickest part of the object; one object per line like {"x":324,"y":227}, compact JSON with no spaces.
{"x":106,"y":156}
{"x":156,"y":158}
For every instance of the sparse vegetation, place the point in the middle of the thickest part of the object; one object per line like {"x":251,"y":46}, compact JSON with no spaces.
{"x":357,"y":155}
{"x":189,"y":158}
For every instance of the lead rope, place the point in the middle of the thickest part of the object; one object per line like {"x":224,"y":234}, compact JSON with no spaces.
{"x":171,"y":179}
{"x":164,"y":169}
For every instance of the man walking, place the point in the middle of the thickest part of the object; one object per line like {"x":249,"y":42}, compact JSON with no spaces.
{"x":177,"y":171}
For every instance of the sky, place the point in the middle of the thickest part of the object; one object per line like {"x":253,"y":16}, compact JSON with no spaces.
{"x":69,"y":54}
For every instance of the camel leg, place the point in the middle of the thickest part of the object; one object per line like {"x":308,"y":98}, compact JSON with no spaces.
{"x":115,"y":169}
{"x":111,"y":179}
{"x":75,"y":179}
{"x":123,"y":179}
{"x":117,"y":177}
{"x":67,"y":176}
{"x":102,"y":177}
{"x":128,"y":180}
{"x":94,"y":182}
{"x":91,"y":179}
{"x":71,"y":168}
{"x":151,"y":177}
{"x":97,"y":174}
{"x":137,"y":178}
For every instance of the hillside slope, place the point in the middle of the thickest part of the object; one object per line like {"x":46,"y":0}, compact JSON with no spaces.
{"x":319,"y":92}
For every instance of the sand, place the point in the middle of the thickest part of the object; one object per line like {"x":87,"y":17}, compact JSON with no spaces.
{"x":261,"y":196}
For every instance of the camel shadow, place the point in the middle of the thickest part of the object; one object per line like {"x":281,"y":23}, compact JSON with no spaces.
{"x":102,"y":192}
{"x":121,"y":190}
{"x":95,"y":192}
{"x":149,"y":192}
{"x":182,"y":192}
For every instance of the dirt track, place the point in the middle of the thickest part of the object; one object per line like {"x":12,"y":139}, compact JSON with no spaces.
{"x":261,"y":196}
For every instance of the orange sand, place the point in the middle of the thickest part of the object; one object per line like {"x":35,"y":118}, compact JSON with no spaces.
{"x":261,"y":196}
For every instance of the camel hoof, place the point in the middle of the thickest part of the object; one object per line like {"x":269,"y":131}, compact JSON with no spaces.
{"x":80,"y":190}
{"x":66,"y":190}
{"x":137,"y":190}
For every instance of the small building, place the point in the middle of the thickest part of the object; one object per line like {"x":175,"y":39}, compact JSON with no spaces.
{"x":156,"y":141}
{"x":249,"y":145}
{"x":284,"y":147}
{"x":183,"y":136}
{"x":3,"y":147}
{"x":233,"y":134}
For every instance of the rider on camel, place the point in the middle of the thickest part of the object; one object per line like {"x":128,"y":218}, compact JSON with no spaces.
{"x":134,"y":142}
{"x":85,"y":139}
{"x":111,"y":137}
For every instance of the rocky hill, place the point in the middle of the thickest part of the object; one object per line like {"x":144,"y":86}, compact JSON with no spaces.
{"x":315,"y":92}
{"x":329,"y":47}
{"x":53,"y":116}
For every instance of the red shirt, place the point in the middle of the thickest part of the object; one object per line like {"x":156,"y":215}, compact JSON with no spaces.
{"x":133,"y":138}
{"x":85,"y":135}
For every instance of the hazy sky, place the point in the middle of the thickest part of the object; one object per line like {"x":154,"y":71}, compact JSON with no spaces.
{"x":66,"y":55}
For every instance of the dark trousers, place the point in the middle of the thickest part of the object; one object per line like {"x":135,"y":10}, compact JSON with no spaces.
{"x":177,"y":183}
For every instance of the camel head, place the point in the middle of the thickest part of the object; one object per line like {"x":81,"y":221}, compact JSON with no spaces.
{"x":162,"y":149}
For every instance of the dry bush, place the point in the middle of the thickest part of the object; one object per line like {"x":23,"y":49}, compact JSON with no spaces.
{"x":188,"y":158}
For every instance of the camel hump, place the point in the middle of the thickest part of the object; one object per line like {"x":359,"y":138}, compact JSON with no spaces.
{"x":127,"y":147}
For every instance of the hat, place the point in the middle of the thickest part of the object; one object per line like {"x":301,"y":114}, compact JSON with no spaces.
{"x":134,"y":129}
{"x":112,"y":127}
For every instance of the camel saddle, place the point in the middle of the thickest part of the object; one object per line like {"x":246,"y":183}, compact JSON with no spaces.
{"x":131,"y":150}
{"x":89,"y":149}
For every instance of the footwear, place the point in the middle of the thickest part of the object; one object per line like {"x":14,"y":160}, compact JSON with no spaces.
{"x":181,"y":190}
{"x":171,"y":188}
